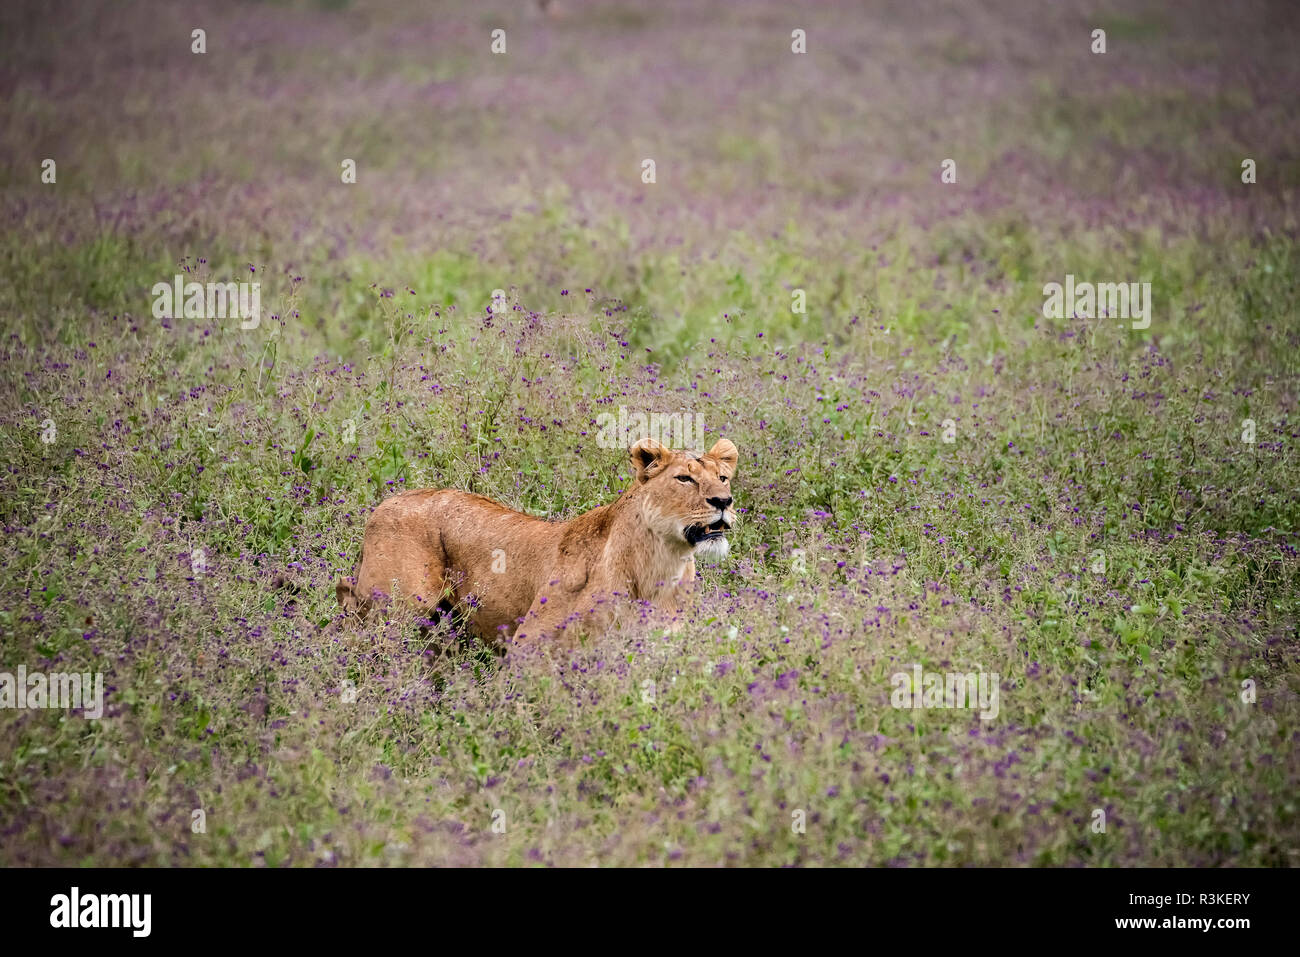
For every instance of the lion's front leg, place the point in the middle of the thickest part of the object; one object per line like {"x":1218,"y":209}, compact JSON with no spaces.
{"x":677,"y":606}
{"x":561,"y":616}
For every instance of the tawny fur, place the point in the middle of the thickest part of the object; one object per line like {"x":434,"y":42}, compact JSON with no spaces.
{"x":514,"y":573}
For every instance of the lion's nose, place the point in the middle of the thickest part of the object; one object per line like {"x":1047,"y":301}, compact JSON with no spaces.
{"x":720,"y":501}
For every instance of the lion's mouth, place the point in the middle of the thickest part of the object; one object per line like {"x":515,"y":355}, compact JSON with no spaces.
{"x":704,"y":533}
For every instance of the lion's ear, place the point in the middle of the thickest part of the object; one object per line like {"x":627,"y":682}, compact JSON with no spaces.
{"x":725,"y":452}
{"x":647,"y":457}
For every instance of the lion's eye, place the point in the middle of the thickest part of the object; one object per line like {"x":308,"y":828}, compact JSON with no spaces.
{"x":723,"y":477}
{"x":685,"y":478}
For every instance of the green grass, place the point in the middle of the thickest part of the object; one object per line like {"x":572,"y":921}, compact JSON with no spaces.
{"x":1098,"y":533}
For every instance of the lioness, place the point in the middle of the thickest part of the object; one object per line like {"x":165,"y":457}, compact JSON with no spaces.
{"x":445,"y":548}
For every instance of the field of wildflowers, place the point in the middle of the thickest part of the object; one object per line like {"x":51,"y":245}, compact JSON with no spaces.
{"x":1100,"y":513}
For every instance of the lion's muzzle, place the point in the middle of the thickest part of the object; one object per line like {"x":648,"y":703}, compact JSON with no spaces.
{"x":717,"y":529}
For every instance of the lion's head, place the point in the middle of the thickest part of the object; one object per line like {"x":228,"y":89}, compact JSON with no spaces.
{"x":686,"y":496}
